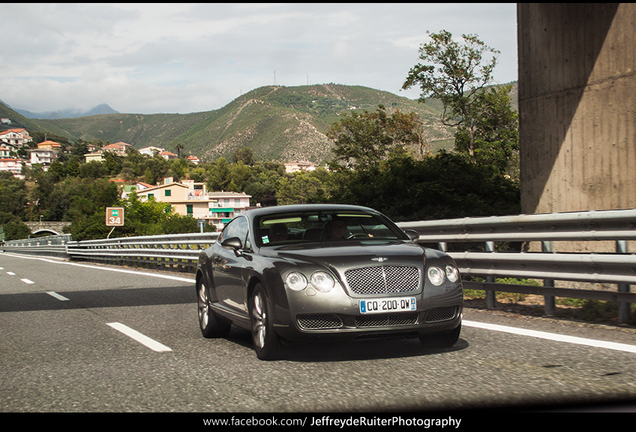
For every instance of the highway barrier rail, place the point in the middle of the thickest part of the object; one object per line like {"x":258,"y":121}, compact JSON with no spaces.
{"x":480,"y":269}
{"x":54,"y":245}
{"x":175,"y":252}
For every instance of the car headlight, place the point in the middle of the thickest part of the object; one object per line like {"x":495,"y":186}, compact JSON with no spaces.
{"x":296,"y":281}
{"x":436,"y":275}
{"x":452,"y":273}
{"x":322,"y":281}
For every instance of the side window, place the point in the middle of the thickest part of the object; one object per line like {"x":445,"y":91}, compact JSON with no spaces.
{"x":237,"y":228}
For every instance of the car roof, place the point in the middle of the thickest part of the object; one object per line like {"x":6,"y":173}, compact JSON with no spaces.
{"x":305,"y":207}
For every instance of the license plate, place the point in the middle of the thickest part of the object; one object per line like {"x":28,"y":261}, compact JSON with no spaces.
{"x":384,"y":305}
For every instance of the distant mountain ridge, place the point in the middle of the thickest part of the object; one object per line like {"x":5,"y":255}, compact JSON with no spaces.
{"x":275,"y":122}
{"x":67,"y":113}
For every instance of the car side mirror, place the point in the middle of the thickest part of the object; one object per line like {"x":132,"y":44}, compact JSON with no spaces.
{"x":413,"y":235}
{"x":232,"y":243}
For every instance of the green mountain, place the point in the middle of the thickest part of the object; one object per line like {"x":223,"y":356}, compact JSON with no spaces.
{"x":277,"y":123}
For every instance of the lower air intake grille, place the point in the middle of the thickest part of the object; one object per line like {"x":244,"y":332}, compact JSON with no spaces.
{"x":318,"y":321}
{"x":382,"y":320}
{"x":441,"y":314}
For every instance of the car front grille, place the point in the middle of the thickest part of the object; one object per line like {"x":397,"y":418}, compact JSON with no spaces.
{"x":383,"y":279}
{"x":383,"y":320}
{"x":318,"y":321}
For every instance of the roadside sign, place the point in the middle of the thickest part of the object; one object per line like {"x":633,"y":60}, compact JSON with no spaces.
{"x":114,"y":216}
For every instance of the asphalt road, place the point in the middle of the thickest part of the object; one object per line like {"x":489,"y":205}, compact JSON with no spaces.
{"x":80,"y":338}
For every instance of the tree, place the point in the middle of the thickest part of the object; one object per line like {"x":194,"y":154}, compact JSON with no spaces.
{"x":219,"y":175}
{"x":244,"y":155}
{"x":178,"y":147}
{"x":364,"y":140}
{"x":300,"y":188}
{"x":454,"y":73}
{"x":496,"y":133}
{"x":13,"y":195}
{"x":113,"y":163}
{"x":444,"y":186}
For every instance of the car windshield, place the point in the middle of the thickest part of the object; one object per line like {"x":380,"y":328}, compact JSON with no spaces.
{"x":323,"y":226}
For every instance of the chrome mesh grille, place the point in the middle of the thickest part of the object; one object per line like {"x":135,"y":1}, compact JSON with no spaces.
{"x":441,"y":314}
{"x":318,"y":321}
{"x":383,"y":279}
{"x":383,"y":320}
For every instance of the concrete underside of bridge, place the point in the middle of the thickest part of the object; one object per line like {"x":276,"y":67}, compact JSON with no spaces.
{"x":577,"y":91}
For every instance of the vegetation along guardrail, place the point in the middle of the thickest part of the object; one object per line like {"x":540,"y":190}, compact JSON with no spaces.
{"x":179,"y":252}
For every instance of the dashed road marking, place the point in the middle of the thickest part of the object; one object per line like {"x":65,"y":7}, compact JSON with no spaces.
{"x":57,"y":296}
{"x":142,"y":339}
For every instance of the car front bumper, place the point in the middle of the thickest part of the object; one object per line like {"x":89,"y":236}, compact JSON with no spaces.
{"x":337,"y":315}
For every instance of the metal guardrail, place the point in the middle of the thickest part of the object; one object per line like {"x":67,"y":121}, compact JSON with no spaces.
{"x":605,"y":268}
{"x":180,"y":252}
{"x":47,"y":246}
{"x":575,"y":226}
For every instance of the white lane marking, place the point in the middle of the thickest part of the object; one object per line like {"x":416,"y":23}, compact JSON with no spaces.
{"x":57,"y":296}
{"x":145,"y":340}
{"x":177,"y":278}
{"x":553,"y":336}
{"x":11,"y":273}
{"x":27,"y":281}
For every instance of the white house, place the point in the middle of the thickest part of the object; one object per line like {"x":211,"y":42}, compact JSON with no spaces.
{"x":150,"y":150}
{"x":13,"y":165}
{"x":15,"y":138}
{"x":297,"y":166}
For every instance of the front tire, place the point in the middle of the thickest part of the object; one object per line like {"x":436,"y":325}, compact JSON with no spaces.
{"x":266,"y":342}
{"x":212,"y":326}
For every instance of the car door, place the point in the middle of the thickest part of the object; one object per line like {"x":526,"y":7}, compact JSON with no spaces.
{"x":228,"y":264}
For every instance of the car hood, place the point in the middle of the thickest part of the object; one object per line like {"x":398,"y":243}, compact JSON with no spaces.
{"x":360,"y":253}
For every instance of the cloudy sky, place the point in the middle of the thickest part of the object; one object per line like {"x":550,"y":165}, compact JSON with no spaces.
{"x":183,"y":58}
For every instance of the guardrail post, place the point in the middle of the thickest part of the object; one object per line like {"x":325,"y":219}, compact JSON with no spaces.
{"x":491,"y":296}
{"x":550,"y":301}
{"x":624,"y":309}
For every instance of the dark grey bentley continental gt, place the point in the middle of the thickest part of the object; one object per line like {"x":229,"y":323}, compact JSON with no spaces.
{"x":324,"y":270}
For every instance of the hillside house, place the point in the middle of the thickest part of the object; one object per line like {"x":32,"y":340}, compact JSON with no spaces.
{"x":118,"y":148}
{"x":150,"y":150}
{"x":192,"y":199}
{"x":13,"y":165}
{"x":45,"y":153}
{"x":97,"y":156}
{"x":168,"y":155}
{"x":50,"y":145}
{"x":298,"y":166}
{"x":15,"y":138}
{"x":5,"y":152}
